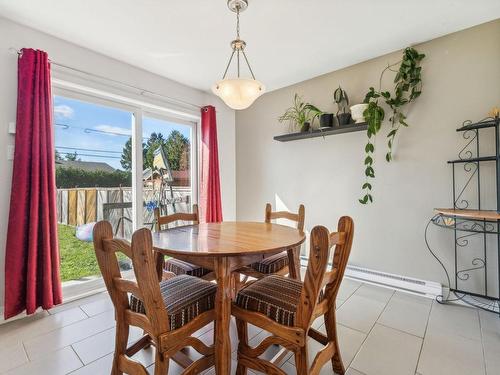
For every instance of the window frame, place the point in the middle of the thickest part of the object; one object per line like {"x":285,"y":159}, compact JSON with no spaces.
{"x":139,"y":108}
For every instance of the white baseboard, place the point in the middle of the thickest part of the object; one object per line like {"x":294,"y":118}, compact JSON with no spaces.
{"x":429,"y":289}
{"x":412,"y":285}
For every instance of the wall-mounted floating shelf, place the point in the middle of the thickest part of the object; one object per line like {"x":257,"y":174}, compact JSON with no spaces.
{"x":323,"y":132}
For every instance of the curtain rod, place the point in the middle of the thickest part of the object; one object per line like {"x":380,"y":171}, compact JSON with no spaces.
{"x":142,"y":91}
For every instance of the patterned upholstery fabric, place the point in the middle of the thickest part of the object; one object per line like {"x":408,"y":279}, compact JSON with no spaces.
{"x":185,"y":298}
{"x":272,"y":264}
{"x":275,"y":296}
{"x":184,"y":268}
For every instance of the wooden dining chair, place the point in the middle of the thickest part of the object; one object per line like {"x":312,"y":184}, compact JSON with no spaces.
{"x":287,"y":308}
{"x":278,"y":264}
{"x":176,"y":266}
{"x":169,"y":311}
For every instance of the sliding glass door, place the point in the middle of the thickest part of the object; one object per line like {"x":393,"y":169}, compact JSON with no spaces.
{"x":168,"y":168}
{"x":97,"y":147}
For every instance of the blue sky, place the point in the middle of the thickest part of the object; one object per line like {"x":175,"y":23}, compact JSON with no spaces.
{"x":98,"y":133}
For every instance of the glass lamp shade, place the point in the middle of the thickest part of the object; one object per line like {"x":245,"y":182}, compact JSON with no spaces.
{"x":238,"y":93}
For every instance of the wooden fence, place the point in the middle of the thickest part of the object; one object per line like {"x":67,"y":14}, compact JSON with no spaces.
{"x":85,"y":205}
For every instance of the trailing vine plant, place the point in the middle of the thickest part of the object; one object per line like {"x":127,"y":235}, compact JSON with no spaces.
{"x":407,"y":88}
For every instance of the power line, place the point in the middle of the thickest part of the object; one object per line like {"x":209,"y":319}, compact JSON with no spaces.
{"x":89,"y":149}
{"x":90,"y":130}
{"x":92,"y":155}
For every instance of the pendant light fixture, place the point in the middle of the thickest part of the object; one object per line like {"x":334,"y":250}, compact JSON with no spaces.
{"x":238,"y":93}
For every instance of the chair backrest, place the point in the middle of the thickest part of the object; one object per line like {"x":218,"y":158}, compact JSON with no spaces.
{"x":298,"y":217}
{"x":192,"y":217}
{"x":317,"y":277}
{"x":146,"y":287}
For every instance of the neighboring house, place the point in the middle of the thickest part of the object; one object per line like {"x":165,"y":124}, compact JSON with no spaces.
{"x":153,"y":179}
{"x":89,"y":166}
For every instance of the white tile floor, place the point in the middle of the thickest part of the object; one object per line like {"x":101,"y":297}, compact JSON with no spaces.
{"x":381,"y":331}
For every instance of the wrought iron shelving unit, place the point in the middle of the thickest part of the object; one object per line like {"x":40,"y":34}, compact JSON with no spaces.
{"x":469,"y":223}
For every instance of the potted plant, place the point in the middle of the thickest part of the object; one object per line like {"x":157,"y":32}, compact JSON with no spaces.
{"x":407,"y":88}
{"x":357,"y":111}
{"x":342,"y":100}
{"x":326,"y":121}
{"x":301,"y":114}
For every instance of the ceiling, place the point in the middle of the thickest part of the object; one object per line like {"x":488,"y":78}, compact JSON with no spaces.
{"x":288,"y":41}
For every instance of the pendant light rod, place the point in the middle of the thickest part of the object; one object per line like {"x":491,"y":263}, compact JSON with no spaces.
{"x":238,"y":45}
{"x":228,"y":64}
{"x":248,"y":64}
{"x":238,"y":93}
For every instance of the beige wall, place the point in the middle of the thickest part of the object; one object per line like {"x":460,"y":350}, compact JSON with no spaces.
{"x":17,"y":36}
{"x":461,"y":76}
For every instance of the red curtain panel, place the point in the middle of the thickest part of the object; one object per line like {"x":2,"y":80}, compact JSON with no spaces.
{"x":210,"y":198}
{"x":32,"y":256}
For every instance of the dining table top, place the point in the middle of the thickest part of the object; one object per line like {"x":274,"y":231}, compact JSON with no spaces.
{"x":227,"y":238}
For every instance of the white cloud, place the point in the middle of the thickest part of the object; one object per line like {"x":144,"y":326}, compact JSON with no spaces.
{"x":113,"y":130}
{"x":64,"y":111}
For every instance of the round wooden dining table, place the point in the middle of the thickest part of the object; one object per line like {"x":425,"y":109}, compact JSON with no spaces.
{"x":225,"y":247}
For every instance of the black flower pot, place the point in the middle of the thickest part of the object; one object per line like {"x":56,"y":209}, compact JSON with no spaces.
{"x":326,"y":120}
{"x":344,"y":118}
{"x":305,"y":127}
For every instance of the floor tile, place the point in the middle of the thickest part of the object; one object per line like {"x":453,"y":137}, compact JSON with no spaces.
{"x":347,"y":288}
{"x":445,"y":354}
{"x":289,"y":368}
{"x":407,"y":313}
{"x":56,"y":363}
{"x":458,"y":340}
{"x":374,"y":292}
{"x":350,"y":341}
{"x":490,"y":328}
{"x":31,"y":327}
{"x":351,"y":371}
{"x":97,"y":307}
{"x":339,"y":302}
{"x":12,"y":356}
{"x":101,"y":344}
{"x":490,"y":322}
{"x":69,"y":335}
{"x":173,"y":368}
{"x":360,"y":313}
{"x":100,"y":367}
{"x":455,"y":320}
{"x":78,"y":302}
{"x":270,"y":352}
{"x":103,"y":365}
{"x":387,"y":351}
{"x":233,"y":370}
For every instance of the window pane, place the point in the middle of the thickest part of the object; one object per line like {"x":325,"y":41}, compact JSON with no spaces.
{"x":167,"y":168}
{"x":93,"y":178}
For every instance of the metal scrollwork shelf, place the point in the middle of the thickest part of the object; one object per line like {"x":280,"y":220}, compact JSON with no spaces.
{"x":472,"y":228}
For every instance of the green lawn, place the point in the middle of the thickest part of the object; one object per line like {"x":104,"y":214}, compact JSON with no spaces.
{"x":77,"y":257}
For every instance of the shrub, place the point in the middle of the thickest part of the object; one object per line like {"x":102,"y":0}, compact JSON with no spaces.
{"x":75,"y":177}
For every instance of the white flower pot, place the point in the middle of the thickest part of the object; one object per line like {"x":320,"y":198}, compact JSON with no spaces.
{"x":357,"y":112}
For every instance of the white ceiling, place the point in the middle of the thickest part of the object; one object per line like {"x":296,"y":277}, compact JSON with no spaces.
{"x":288,"y":41}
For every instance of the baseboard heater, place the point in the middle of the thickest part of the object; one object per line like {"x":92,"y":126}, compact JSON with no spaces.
{"x":420,"y":287}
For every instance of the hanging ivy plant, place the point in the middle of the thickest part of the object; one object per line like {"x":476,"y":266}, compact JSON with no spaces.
{"x":407,"y":88}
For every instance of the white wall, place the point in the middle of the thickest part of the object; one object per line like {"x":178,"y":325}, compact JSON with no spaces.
{"x":17,"y":36}
{"x":461,"y":76}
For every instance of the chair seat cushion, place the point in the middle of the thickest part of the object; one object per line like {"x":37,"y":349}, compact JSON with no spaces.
{"x":185,"y":298}
{"x":272,"y":264}
{"x":275,"y":296}
{"x":180,"y":267}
